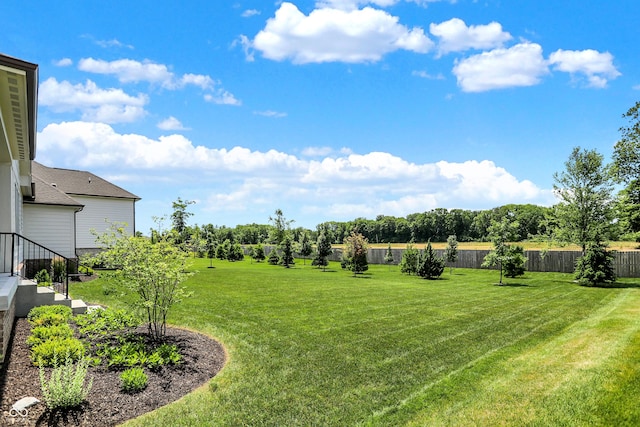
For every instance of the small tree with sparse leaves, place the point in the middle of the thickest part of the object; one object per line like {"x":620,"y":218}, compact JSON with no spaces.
{"x":388,"y":257}
{"x":451,"y":251}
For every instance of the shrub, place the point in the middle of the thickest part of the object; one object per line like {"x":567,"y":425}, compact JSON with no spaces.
{"x":42,"y":277}
{"x":46,"y":315}
{"x":273,"y":258}
{"x":40,"y":334}
{"x":133,"y":380}
{"x":106,"y":322}
{"x":66,"y":386}
{"x":49,"y":352}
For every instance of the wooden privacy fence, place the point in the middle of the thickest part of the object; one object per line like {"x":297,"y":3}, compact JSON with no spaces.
{"x":626,"y":264}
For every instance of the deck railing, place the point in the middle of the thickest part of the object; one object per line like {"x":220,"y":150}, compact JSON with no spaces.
{"x":20,"y":256}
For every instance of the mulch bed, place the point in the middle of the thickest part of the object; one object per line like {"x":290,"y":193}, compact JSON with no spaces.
{"x":106,"y":405}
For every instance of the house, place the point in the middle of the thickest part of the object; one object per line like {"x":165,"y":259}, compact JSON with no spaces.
{"x":46,"y":214}
{"x":59,"y":193}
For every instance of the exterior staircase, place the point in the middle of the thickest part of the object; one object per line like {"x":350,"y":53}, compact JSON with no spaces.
{"x":29,"y":295}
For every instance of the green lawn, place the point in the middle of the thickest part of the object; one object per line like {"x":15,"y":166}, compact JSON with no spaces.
{"x":313,"y":348}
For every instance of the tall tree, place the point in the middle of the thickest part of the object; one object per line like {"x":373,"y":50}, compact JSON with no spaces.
{"x":281,"y":226}
{"x":626,"y":154}
{"x":179,"y":219}
{"x":584,"y":188}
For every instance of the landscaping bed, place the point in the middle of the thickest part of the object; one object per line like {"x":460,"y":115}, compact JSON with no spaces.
{"x":106,"y":405}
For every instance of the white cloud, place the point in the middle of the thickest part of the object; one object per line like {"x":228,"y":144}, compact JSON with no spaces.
{"x":336,"y":35}
{"x":270,"y":113}
{"x":317,"y":151}
{"x":171,"y":123}
{"x":425,"y":75}
{"x":222,"y":97}
{"x":250,"y":12}
{"x":243,"y":180}
{"x":131,"y":71}
{"x":113,"y":43}
{"x":520,"y":65}
{"x":64,"y":62}
{"x":94,"y":103}
{"x":456,"y":36}
{"x":596,"y":66}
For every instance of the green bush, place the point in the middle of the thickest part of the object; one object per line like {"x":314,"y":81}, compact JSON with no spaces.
{"x":42,"y":277}
{"x":49,"y":352}
{"x":133,"y":380}
{"x":66,"y":386}
{"x":59,"y":269}
{"x":273,"y":257}
{"x":40,"y":334}
{"x":46,"y":315}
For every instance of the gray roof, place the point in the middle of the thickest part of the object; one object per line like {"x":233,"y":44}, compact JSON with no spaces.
{"x":47,"y":194}
{"x":79,"y":183}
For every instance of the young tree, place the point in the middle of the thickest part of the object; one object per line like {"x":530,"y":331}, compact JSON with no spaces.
{"x":429,"y":265}
{"x":179,"y":219}
{"x":409,"y":261}
{"x":388,"y":256}
{"x":211,"y":252}
{"x":507,"y":258}
{"x":286,"y":249}
{"x":451,"y":251}
{"x":354,"y":255}
{"x":584,"y":189}
{"x":323,"y":250}
{"x":305,"y":247}
{"x":152,"y":272}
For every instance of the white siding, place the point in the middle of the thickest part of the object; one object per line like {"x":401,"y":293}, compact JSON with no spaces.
{"x":98,"y":214}
{"x":51,"y":227}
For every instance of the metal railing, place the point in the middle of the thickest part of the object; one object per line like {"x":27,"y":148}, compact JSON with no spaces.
{"x":20,"y":256}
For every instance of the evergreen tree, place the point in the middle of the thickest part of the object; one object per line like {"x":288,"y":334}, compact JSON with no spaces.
{"x":596,"y":267}
{"x":429,"y":265}
{"x":286,"y":251}
{"x":305,"y":247}
{"x":409,"y":262}
{"x":258,"y":253}
{"x":323,"y":250}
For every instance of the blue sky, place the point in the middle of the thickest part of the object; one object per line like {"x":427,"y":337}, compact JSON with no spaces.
{"x":328,"y":109}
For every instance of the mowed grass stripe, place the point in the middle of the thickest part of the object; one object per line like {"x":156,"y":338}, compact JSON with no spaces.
{"x":309,"y":347}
